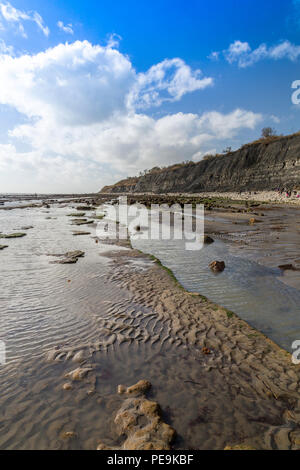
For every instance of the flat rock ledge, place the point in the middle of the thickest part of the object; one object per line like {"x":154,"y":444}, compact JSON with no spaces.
{"x":13,"y":235}
{"x":71,"y":257}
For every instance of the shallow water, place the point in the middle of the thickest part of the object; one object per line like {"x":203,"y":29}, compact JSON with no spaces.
{"x":40,"y":309}
{"x":252,"y":291}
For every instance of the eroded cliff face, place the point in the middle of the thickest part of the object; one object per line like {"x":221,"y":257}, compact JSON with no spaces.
{"x":265,"y":165}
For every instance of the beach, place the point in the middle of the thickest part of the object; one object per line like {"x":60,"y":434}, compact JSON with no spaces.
{"x":116,"y":317}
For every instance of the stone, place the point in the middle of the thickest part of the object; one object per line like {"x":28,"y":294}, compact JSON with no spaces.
{"x":79,"y":373}
{"x":287,"y":267}
{"x":217,"y":266}
{"x":206,"y":351}
{"x":121,"y":389}
{"x":69,"y":435}
{"x":78,"y":214}
{"x":85,"y":208}
{"x":240,"y":447}
{"x":82,"y":222}
{"x":3,"y":246}
{"x":139,"y":419}
{"x":13,"y":235}
{"x":141,"y":387}
{"x":78,"y":357}
{"x":78,"y":233}
{"x":208,"y":240}
{"x":70,"y":257}
{"x":67,"y":386}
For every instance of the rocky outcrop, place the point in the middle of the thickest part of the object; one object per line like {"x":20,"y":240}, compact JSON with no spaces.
{"x":263,"y":165}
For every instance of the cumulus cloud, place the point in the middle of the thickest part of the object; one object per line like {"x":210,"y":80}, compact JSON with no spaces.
{"x":167,"y":81}
{"x":11,"y":15}
{"x":74,"y":83}
{"x":68,"y":29}
{"x":85,"y":125}
{"x":244,"y":56}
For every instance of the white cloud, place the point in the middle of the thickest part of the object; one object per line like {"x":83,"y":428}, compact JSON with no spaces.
{"x":74,"y":83}
{"x":167,"y":81}
{"x":236,"y":50}
{"x":242,"y":54}
{"x":12,"y":15}
{"x":5,"y":49}
{"x":68,"y":29}
{"x":85,"y":126}
{"x":214,"y":56}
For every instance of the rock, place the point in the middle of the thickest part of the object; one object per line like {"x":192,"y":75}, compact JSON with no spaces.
{"x":85,"y":208}
{"x":79,"y":373}
{"x":287,"y":267}
{"x":3,"y":246}
{"x":70,"y":257}
{"x":139,"y":419}
{"x":78,"y":233}
{"x":252,"y":221}
{"x":82,"y":222}
{"x":140,"y":388}
{"x":74,"y":254}
{"x":69,"y":435}
{"x":121,"y":389}
{"x":206,"y":351}
{"x":240,"y":447}
{"x":67,"y":386}
{"x":208,"y":240}
{"x":13,"y":235}
{"x":217,"y":266}
{"x":78,"y":357}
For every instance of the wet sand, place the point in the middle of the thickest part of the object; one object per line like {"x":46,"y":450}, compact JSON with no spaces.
{"x":271,"y":238}
{"x":246,"y":386}
{"x":241,"y":390}
{"x":219,"y":382}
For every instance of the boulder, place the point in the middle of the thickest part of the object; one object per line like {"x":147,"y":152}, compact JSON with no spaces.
{"x":217,"y":266}
{"x":208,"y":240}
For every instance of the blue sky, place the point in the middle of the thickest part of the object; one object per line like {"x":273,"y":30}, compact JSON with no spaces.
{"x":93,"y":91}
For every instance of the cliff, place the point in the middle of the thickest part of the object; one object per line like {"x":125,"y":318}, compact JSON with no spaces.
{"x":262,"y":165}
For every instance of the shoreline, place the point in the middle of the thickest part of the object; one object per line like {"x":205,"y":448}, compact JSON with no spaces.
{"x":230,"y":313}
{"x":271,"y":375}
{"x":265,"y":197}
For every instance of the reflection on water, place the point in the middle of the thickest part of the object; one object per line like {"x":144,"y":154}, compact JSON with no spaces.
{"x":249,"y":289}
{"x":44,"y":304}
